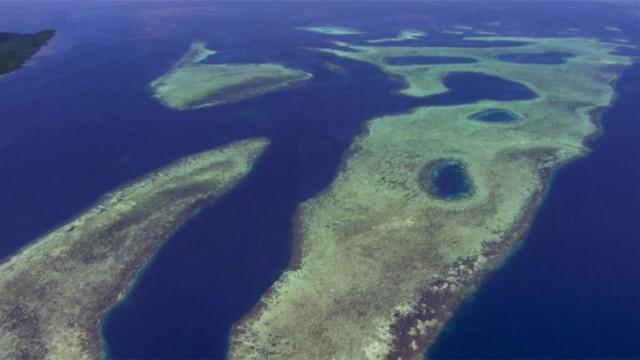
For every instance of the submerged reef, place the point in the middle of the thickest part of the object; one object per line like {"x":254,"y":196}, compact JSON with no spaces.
{"x":192,"y":84}
{"x":379,"y":265}
{"x":403,"y":36}
{"x":55,"y":291}
{"x":331,"y":30}
{"x":15,"y":49}
{"x":453,"y":32}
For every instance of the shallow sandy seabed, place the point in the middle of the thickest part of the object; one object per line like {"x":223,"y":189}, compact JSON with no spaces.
{"x":612,"y":29}
{"x":463,"y":27}
{"x":331,"y":30}
{"x":55,"y":290}
{"x":484,"y":32}
{"x":453,"y":32}
{"x":192,"y":84}
{"x":380,"y":264}
{"x":403,"y":36}
{"x":621,"y":40}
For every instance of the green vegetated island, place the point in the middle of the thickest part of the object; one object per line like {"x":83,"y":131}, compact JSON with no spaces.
{"x":55,"y":291}
{"x":192,"y":84}
{"x":15,"y":49}
{"x":381,"y":260}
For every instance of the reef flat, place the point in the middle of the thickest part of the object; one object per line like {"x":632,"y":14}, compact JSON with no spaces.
{"x":453,"y":32}
{"x":403,"y":36}
{"x":15,"y":49}
{"x":192,"y":84}
{"x":55,"y":291}
{"x":331,"y":30}
{"x":380,"y":263}
{"x":423,"y":80}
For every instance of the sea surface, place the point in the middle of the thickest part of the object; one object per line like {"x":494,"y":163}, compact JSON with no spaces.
{"x":79,"y":120}
{"x":572,"y":289}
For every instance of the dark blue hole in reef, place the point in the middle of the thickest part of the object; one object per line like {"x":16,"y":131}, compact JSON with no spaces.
{"x":544,"y":58}
{"x":428,"y":60}
{"x":446,"y":179}
{"x":494,"y":116}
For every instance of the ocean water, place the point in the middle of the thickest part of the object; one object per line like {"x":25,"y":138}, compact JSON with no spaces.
{"x":548,"y":58}
{"x":80,"y":121}
{"x":449,"y":181}
{"x":572,"y":289}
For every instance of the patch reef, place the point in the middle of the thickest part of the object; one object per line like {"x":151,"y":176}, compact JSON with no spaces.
{"x":192,"y":84}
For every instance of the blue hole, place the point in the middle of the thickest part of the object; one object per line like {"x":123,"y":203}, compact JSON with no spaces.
{"x":446,"y":179}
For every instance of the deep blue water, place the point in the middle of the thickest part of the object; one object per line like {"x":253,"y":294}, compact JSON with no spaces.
{"x":80,"y":122}
{"x":494,"y":116}
{"x":428,"y":60}
{"x":572,"y":290}
{"x":547,"y":58}
{"x":449,"y":181}
{"x":471,"y":85}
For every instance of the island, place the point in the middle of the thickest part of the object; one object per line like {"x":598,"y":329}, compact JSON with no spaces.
{"x":55,"y":291}
{"x":15,"y":49}
{"x":385,"y":254}
{"x":192,"y":84}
